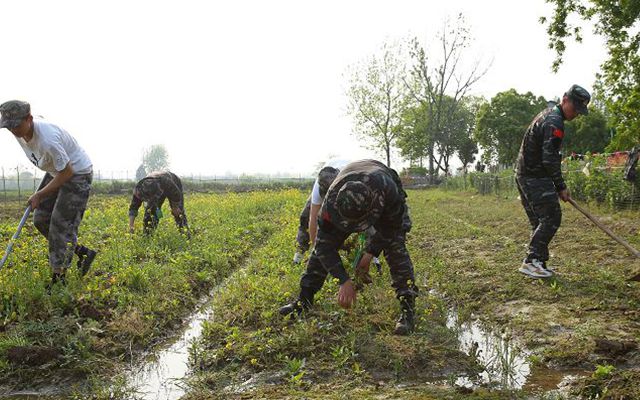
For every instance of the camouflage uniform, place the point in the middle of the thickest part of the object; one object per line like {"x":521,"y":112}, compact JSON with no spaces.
{"x":539,"y":179}
{"x":58,"y":217}
{"x":302,"y":238}
{"x":325,"y":178}
{"x":153,"y":190}
{"x":365,"y":193}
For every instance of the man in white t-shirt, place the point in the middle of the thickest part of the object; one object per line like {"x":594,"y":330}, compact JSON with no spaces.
{"x":61,"y":199}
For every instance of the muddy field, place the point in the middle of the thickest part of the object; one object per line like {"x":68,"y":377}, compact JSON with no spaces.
{"x":485,"y":331}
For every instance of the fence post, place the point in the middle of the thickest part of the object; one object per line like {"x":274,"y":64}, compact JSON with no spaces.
{"x":18,"y":176}
{"x":4,"y":186}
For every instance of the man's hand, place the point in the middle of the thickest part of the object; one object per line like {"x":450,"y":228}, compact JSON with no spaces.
{"x":564,"y":195}
{"x":346,"y":294}
{"x":362,"y":269}
{"x":132,"y":220}
{"x":34,"y":200}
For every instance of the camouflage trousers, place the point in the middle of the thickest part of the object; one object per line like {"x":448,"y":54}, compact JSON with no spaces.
{"x":58,"y":217}
{"x":303,"y":238}
{"x":152,"y":214}
{"x":540,"y":201}
{"x":396,"y":254}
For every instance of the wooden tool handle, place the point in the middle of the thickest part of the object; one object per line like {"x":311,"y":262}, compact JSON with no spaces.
{"x":605,"y":229}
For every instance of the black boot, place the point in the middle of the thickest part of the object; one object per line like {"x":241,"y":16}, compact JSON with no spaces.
{"x":406,"y":322}
{"x":85,"y":258}
{"x":56,"y":278}
{"x":305,"y":300}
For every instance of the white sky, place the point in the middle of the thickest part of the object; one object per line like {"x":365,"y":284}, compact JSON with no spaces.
{"x":242,"y":86}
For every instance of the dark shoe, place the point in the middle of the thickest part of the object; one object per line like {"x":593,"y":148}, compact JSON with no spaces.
{"x":405,"y":325}
{"x":56,"y":278}
{"x":294,"y":309}
{"x":299,"y":306}
{"x":406,"y":322}
{"x":84,"y":263}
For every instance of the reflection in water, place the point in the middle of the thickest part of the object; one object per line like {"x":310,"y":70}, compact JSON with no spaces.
{"x":160,"y":378}
{"x":505,"y":366}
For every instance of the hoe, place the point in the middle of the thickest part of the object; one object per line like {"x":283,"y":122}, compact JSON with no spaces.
{"x":15,"y":235}
{"x":606,"y":230}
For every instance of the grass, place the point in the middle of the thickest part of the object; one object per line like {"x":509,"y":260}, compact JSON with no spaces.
{"x":137,"y":291}
{"x":480,"y":240}
{"x":466,"y":247}
{"x":356,"y":351}
{"x":466,"y":250}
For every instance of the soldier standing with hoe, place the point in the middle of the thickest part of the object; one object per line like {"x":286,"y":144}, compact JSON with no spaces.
{"x":61,"y":200}
{"x":365,"y":193}
{"x":539,"y":178}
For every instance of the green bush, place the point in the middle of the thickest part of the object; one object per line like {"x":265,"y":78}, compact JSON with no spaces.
{"x":603,"y":183}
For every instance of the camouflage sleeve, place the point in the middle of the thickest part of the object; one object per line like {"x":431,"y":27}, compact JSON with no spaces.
{"x":390,"y":222}
{"x":328,"y":241}
{"x":136,"y":202}
{"x":551,"y":157}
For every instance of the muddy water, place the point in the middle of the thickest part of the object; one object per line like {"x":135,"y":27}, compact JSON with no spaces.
{"x":505,"y":364}
{"x":159,"y":378}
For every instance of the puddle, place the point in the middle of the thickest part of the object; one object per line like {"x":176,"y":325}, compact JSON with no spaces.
{"x":29,"y":395}
{"x":506,"y":365}
{"x":160,"y":377}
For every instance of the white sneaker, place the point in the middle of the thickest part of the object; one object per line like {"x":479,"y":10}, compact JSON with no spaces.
{"x":535,"y":269}
{"x":376,"y":262}
{"x":297,"y":257}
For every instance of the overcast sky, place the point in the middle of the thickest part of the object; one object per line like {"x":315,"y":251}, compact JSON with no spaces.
{"x":242,"y":86}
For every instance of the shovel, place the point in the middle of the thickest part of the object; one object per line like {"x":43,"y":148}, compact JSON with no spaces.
{"x":15,"y":235}
{"x":606,"y":230}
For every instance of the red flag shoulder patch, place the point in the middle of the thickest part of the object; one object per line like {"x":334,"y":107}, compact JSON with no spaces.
{"x":326,"y":216}
{"x":558,"y":133}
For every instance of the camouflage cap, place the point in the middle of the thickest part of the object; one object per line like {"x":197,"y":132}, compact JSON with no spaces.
{"x":149,"y":189}
{"x":352,"y":204}
{"x":326,"y":176}
{"x":580,"y":98}
{"x":13,"y":112}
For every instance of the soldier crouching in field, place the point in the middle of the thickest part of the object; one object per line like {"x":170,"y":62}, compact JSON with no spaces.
{"x":365,"y":193}
{"x":61,"y":199}
{"x":153,"y":190}
{"x":539,"y":177}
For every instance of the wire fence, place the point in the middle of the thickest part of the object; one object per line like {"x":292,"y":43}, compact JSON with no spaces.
{"x":595,"y":182}
{"x":18,"y":183}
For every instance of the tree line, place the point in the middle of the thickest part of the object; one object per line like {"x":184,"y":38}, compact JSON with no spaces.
{"x":419,"y":102}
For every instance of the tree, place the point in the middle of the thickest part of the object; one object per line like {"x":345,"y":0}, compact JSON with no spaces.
{"x":466,"y":145}
{"x":156,"y":158}
{"x":377,"y":99}
{"x":619,"y":81}
{"x":414,"y":138}
{"x":587,"y":134}
{"x":440,"y":88}
{"x":502,"y":122}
